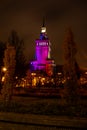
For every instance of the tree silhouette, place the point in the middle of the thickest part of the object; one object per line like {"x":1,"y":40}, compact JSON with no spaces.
{"x":9,"y":63}
{"x":18,"y":43}
{"x":70,"y":73}
{"x":2,"y":48}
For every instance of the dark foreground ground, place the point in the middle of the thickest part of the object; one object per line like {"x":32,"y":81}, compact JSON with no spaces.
{"x":45,"y":106}
{"x":42,"y":113}
{"x":15,"y":121}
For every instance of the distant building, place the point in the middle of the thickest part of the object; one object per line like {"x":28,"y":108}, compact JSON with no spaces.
{"x":43,"y":61}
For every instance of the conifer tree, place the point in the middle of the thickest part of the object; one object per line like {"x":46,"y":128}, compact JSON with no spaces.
{"x":18,"y":43}
{"x":2,"y":48}
{"x":71,"y":84}
{"x":9,"y":63}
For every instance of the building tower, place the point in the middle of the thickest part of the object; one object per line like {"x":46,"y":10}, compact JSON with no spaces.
{"x":43,"y":59}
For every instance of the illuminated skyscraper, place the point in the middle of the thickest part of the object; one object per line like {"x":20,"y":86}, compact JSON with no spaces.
{"x":43,"y":59}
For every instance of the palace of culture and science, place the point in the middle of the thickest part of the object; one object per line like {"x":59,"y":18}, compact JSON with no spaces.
{"x":43,"y":61}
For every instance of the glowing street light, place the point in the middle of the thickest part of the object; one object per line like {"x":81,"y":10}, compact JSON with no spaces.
{"x":86,"y":72}
{"x":4,"y":69}
{"x":3,"y":79}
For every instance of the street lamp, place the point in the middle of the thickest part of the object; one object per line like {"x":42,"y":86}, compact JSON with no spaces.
{"x":4,"y":69}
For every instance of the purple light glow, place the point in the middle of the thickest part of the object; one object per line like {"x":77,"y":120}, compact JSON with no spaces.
{"x":42,"y":53}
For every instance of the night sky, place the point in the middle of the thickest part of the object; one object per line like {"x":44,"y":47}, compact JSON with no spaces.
{"x":25,"y":16}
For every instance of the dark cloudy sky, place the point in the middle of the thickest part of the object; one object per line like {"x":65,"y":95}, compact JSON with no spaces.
{"x":25,"y":16}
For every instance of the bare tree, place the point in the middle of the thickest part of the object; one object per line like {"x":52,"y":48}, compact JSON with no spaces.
{"x":9,"y":63}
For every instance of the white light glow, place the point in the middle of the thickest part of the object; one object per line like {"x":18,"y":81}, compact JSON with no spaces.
{"x":43,"y":29}
{"x":43,"y":43}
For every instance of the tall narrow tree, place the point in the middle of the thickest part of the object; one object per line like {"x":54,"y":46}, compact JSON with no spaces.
{"x":18,"y":43}
{"x":9,"y":63}
{"x":2,"y":48}
{"x":71,"y":84}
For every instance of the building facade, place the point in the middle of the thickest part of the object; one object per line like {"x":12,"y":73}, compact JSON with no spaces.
{"x":43,"y":59}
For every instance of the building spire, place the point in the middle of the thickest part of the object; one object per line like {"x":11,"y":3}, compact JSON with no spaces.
{"x":43,"y":22}
{"x":43,"y":28}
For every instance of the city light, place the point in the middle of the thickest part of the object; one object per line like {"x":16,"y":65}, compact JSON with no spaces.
{"x":86,"y":72}
{"x":4,"y":69}
{"x":3,"y":79}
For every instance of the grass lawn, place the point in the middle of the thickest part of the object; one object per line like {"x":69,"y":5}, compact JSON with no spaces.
{"x":44,"y":106}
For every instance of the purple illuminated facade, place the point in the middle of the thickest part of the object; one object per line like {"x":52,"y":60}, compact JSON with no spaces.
{"x":42,"y":60}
